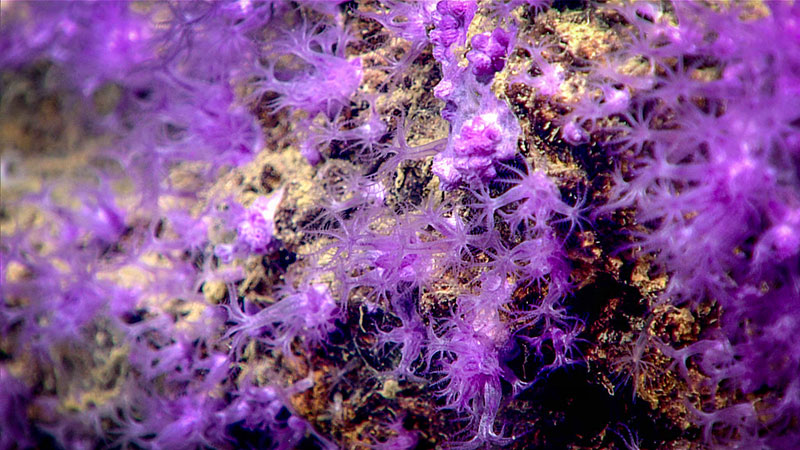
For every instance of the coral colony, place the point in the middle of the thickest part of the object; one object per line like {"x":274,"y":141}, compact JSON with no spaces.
{"x":400,"y":225}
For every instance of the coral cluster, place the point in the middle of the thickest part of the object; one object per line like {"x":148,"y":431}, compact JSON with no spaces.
{"x":312,"y":224}
{"x":714,"y":155}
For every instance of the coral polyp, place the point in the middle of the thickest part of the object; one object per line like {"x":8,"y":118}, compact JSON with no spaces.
{"x":400,"y":225}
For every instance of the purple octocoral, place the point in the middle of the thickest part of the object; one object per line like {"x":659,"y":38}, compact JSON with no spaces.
{"x":471,"y":373}
{"x":488,"y":54}
{"x":452,"y":18}
{"x":306,"y":66}
{"x":256,"y":227}
{"x":481,"y":142}
{"x":460,"y":294}
{"x":716,"y":182}
{"x":483,"y":129}
{"x":309,"y":312}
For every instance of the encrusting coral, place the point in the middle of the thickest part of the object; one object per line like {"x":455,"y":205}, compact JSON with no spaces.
{"x":400,"y":225}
